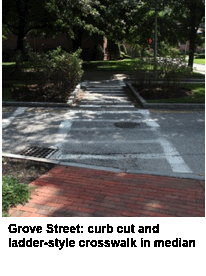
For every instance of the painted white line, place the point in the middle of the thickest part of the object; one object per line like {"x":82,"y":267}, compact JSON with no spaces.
{"x":173,"y":157}
{"x":18,"y":111}
{"x":64,"y":128}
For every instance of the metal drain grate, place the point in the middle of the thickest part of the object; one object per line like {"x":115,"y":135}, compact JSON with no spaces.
{"x":38,"y":152}
{"x":127,"y":124}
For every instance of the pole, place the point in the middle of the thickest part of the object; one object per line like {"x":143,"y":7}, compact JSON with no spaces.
{"x":155,"y":48}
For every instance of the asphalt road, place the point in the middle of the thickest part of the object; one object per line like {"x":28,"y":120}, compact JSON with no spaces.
{"x":114,"y":135}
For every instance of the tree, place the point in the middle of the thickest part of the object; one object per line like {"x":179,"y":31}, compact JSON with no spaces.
{"x":46,"y":17}
{"x":189,"y":14}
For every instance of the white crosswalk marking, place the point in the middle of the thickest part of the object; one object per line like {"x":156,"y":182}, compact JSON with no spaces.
{"x":105,"y":130}
{"x":18,"y":111}
{"x":96,"y":121}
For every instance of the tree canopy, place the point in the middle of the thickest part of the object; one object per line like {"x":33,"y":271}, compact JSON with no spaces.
{"x":118,"y":20}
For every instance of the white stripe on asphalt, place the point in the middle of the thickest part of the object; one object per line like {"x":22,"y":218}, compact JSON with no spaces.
{"x":173,"y":157}
{"x":64,"y":128}
{"x":18,"y":111}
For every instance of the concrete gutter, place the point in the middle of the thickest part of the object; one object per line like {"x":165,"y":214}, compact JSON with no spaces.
{"x":168,"y":106}
{"x":46,"y":104}
{"x":95,"y":167}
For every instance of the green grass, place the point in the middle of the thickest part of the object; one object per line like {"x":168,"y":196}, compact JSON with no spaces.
{"x":197,"y":97}
{"x":13,"y":193}
{"x":7,"y":64}
{"x":199,"y":61}
{"x":109,"y":65}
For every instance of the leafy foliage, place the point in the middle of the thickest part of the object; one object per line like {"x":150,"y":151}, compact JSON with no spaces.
{"x":13,"y":193}
{"x":171,"y":68}
{"x":60,"y":73}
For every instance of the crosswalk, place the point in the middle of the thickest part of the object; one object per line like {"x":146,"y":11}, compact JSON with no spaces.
{"x":106,"y":129}
{"x":94,"y":139}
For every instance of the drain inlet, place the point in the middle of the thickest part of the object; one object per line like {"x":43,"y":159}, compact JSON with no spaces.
{"x":39,"y":152}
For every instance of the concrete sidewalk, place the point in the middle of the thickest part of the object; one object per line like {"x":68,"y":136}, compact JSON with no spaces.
{"x":200,"y":68}
{"x":79,"y":192}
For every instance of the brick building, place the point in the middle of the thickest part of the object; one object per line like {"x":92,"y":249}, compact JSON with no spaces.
{"x":93,"y":47}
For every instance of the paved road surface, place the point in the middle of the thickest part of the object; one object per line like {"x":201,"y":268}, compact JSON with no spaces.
{"x":107,"y":130}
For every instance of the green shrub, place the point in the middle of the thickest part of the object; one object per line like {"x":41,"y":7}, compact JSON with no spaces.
{"x":13,"y":193}
{"x":170,"y":68}
{"x":59,"y":73}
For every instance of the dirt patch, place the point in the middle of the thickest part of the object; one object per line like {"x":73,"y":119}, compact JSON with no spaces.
{"x":162,"y":92}
{"x":25,"y":171}
{"x":32,"y":93}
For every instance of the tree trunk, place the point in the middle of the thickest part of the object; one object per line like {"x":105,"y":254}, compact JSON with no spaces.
{"x":193,"y":33}
{"x":20,"y":42}
{"x":77,"y":42}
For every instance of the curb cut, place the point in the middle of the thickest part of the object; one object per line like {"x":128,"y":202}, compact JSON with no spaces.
{"x":168,"y":106}
{"x":101,"y":168}
{"x":46,"y":104}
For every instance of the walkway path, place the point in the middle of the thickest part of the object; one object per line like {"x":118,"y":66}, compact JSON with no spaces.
{"x":105,"y":130}
{"x":70,"y":191}
{"x":200,"y":68}
{"x":105,"y":94}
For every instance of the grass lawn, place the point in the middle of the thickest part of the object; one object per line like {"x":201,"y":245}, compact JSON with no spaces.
{"x":199,"y":61}
{"x":8,"y":64}
{"x":109,"y":65}
{"x":197,"y":97}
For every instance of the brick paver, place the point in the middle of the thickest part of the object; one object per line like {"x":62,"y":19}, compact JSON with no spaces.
{"x":78,"y":192}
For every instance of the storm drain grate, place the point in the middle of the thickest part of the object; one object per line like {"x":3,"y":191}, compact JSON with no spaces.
{"x":38,"y":152}
{"x":127,"y":124}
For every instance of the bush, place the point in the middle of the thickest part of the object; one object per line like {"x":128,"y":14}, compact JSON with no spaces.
{"x":171,"y":68}
{"x":13,"y":193}
{"x":59,"y":73}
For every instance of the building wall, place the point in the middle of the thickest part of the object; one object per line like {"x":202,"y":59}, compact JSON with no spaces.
{"x":38,"y":44}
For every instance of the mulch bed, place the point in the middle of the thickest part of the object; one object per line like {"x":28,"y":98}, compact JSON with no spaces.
{"x":33,"y":94}
{"x":25,"y":171}
{"x":151,"y":92}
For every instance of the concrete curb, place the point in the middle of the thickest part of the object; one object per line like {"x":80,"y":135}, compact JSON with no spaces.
{"x":46,"y":104}
{"x":168,"y":106}
{"x":93,"y":167}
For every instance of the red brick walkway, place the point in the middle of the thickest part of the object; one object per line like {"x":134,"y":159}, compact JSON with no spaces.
{"x":71,"y":191}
